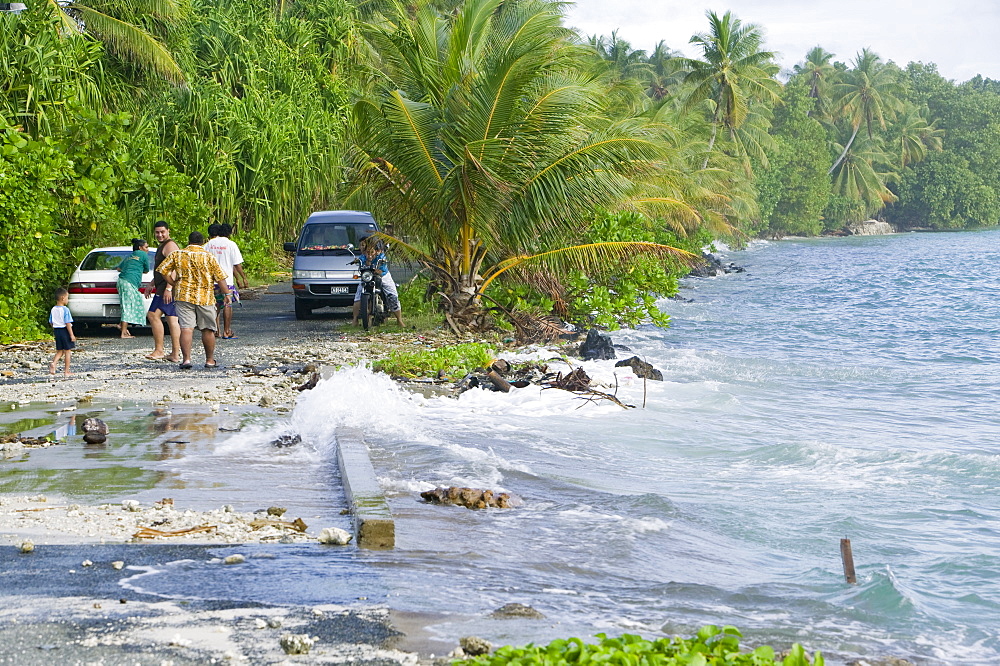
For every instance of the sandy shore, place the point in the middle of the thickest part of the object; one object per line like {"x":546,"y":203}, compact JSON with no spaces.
{"x":43,"y":520}
{"x":261,"y":374}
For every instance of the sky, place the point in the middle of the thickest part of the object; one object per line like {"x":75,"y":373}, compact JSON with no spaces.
{"x":960,"y":36}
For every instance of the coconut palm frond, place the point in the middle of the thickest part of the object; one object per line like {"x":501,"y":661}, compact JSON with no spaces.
{"x":592,"y":257}
{"x":131,"y":40}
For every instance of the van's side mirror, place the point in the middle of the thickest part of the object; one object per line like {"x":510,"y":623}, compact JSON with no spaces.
{"x":290,"y":247}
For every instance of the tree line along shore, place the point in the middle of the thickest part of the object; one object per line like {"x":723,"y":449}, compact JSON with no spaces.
{"x":531,"y":170}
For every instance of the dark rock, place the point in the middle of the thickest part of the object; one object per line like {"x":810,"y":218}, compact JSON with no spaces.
{"x":513,"y":611}
{"x":470,"y":381}
{"x":597,"y":347}
{"x":95,"y":431}
{"x":96,"y":426}
{"x":500,"y":366}
{"x":471,"y":498}
{"x":710,"y":266}
{"x":473,"y":646}
{"x":286,"y":440}
{"x":309,"y":383}
{"x":641,"y":369}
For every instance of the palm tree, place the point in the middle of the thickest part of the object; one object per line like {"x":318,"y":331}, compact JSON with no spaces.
{"x":857,"y":176}
{"x":668,"y":71}
{"x":820,"y":74}
{"x":867,"y":96}
{"x":917,"y":135}
{"x":116,"y":23}
{"x":733,"y":72}
{"x":622,"y":61}
{"x":489,"y":153}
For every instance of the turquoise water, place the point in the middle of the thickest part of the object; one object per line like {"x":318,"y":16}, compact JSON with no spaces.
{"x":839,"y":388}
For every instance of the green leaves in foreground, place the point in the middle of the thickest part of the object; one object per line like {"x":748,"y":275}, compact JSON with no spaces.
{"x":452,"y":361}
{"x":712,"y":645}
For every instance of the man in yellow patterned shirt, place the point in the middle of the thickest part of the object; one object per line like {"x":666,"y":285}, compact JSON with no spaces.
{"x":191,"y":274}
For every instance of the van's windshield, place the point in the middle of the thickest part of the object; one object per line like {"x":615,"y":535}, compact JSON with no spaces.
{"x":332,"y":238}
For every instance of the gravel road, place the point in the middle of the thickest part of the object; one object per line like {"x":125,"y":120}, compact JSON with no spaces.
{"x":55,"y":610}
{"x":273,"y":347}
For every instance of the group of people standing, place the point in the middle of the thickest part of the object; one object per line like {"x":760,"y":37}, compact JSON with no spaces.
{"x":193,"y":288}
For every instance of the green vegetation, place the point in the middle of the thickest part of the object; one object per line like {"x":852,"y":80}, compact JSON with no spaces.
{"x":528,"y":167}
{"x":453,"y":361}
{"x":486,"y":147}
{"x":712,"y":645}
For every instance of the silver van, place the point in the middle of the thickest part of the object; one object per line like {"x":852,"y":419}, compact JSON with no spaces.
{"x":322,"y":273}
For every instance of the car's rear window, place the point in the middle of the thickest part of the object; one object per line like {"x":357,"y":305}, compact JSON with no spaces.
{"x":333,"y":238}
{"x":107,"y":260}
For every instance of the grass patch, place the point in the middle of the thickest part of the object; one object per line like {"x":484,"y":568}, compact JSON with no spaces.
{"x":452,"y":361}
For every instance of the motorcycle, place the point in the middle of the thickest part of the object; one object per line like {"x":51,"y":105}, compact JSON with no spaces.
{"x":373,"y":311}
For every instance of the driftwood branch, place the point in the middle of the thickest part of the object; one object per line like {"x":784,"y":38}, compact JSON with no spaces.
{"x":578,"y":383}
{"x":150,"y":533}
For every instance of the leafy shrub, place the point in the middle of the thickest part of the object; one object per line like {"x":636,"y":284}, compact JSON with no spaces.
{"x":413,"y":296}
{"x":712,"y":645}
{"x":623,"y":294}
{"x":259,"y":255}
{"x":453,"y":360}
{"x":33,"y":250}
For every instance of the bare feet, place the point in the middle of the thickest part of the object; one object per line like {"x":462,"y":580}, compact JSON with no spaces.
{"x":156,"y":357}
{"x":68,"y":374}
{"x":52,"y":368}
{"x":127,"y":335}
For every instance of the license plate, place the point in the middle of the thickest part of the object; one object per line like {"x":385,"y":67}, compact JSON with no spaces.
{"x":339,"y":290}
{"x":112,"y":311}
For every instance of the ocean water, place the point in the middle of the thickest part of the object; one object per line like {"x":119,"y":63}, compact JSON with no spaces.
{"x":839,"y":388}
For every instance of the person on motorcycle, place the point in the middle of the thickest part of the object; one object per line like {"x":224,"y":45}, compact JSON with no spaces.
{"x":373,"y":256}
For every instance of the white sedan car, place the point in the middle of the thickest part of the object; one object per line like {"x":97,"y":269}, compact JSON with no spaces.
{"x":93,"y":291}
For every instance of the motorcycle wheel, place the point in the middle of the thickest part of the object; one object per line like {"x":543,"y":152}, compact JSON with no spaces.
{"x":366,"y":303}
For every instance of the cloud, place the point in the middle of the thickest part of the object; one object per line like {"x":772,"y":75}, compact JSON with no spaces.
{"x":957,"y":36}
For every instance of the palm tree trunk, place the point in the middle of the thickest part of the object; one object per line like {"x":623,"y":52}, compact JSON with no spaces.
{"x":715,"y":132}
{"x":844,"y":154}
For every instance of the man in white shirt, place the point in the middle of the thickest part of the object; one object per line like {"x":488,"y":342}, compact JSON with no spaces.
{"x":228,"y":254}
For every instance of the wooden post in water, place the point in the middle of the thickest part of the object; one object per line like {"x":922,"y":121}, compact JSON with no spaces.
{"x":848,"y":557}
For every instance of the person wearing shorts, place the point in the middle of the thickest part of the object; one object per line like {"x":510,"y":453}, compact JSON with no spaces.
{"x":61,"y":320}
{"x":158,"y":309}
{"x":191,"y":274}
{"x":228,"y":254}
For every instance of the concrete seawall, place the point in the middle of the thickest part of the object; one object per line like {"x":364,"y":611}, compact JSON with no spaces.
{"x":373,"y":524}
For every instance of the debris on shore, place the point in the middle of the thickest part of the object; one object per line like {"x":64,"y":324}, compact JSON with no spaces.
{"x":12,"y":445}
{"x":471,"y":498}
{"x":130,"y":521}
